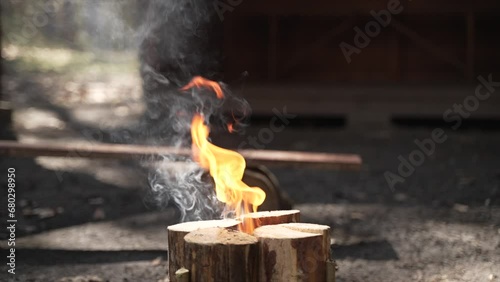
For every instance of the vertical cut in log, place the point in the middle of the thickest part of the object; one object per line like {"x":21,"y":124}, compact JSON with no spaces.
{"x":290,"y":255}
{"x":272,"y":217}
{"x":177,"y":258}
{"x":218,"y":254}
{"x":323,"y":230}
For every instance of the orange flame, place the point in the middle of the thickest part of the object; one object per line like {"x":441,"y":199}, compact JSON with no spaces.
{"x":226,"y":167}
{"x":199,"y":82}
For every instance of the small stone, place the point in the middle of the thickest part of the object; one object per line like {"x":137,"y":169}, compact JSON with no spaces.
{"x":99,"y":214}
{"x":487,"y":202}
{"x":400,"y":197}
{"x":44,"y":213}
{"x":157,"y":261}
{"x":90,"y":278}
{"x":461,"y":208}
{"x":357,"y":215}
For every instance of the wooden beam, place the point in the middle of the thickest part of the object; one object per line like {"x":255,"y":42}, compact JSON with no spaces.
{"x":272,"y":59}
{"x":471,"y":38}
{"x":427,"y":45}
{"x":340,"y":8}
{"x":122,"y":151}
{"x":302,"y":55}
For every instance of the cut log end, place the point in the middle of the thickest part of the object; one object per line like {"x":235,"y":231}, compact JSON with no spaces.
{"x":323,"y":230}
{"x":307,"y":227}
{"x":272,"y":217}
{"x":195,"y":225}
{"x":214,"y":236}
{"x":281,"y":232}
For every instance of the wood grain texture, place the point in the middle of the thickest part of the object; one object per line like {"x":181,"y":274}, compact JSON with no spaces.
{"x":289,"y":255}
{"x":322,"y":230}
{"x":272,"y":217}
{"x":177,"y":255}
{"x":218,"y":254}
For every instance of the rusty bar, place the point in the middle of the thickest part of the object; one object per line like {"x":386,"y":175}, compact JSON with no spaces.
{"x":122,"y":151}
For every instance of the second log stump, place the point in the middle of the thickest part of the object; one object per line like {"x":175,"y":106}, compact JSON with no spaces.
{"x":177,"y":256}
{"x":290,"y":255}
{"x":218,"y":254}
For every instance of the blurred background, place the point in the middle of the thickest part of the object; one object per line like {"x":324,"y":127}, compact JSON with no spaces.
{"x":80,"y":72}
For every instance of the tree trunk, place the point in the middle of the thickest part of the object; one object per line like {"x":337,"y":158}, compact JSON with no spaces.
{"x":218,"y":254}
{"x":290,"y":255}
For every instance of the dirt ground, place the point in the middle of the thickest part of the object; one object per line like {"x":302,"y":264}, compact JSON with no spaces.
{"x":93,"y":220}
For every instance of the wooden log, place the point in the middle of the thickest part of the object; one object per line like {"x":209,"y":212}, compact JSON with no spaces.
{"x":122,"y":151}
{"x":218,"y":254}
{"x":323,"y":230}
{"x":177,"y":256}
{"x":272,"y":217}
{"x":290,"y":255}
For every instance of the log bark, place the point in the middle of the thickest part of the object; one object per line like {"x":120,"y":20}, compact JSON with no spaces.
{"x":323,"y":230}
{"x":331,"y":269}
{"x":177,"y":256}
{"x":272,"y":217}
{"x":290,"y":255}
{"x":218,"y":254}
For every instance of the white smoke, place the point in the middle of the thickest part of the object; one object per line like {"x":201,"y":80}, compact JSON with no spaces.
{"x":175,"y":42}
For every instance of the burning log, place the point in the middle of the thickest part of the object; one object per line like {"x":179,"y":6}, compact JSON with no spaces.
{"x":290,"y":255}
{"x":218,"y":254}
{"x":177,"y":257}
{"x":280,"y":249}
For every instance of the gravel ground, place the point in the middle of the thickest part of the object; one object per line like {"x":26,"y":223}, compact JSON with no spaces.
{"x":441,"y":224}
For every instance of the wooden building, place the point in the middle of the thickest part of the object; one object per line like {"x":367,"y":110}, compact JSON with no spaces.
{"x":425,"y":60}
